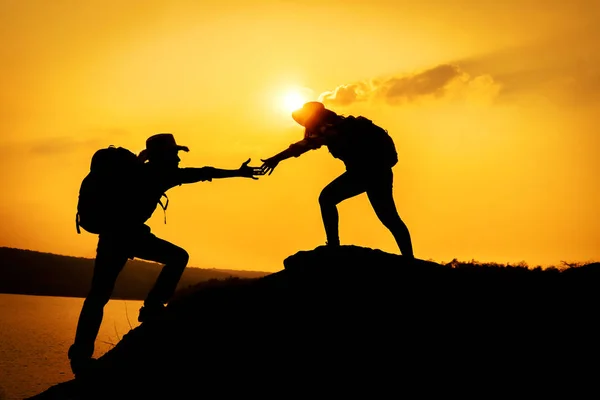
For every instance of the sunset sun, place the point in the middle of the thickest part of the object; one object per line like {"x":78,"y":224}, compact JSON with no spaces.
{"x":292,"y":100}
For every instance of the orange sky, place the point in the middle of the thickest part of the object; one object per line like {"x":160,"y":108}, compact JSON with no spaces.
{"x":493,"y":107}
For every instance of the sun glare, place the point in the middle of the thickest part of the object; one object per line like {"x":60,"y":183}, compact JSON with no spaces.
{"x":292,"y":100}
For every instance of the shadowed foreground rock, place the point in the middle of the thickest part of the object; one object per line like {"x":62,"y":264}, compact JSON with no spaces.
{"x":351,"y":321}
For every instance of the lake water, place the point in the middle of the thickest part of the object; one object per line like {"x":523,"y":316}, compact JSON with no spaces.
{"x":35,"y":335}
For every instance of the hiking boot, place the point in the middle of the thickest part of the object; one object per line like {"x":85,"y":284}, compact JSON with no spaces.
{"x":82,"y":366}
{"x":80,"y":359}
{"x":148,"y":313}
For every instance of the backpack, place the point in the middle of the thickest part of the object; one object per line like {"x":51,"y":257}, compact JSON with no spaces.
{"x":363,"y":143}
{"x":378,"y":141}
{"x":107,"y":193}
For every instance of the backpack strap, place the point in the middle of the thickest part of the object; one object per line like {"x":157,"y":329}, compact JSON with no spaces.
{"x":77,"y":223}
{"x":165,"y":205}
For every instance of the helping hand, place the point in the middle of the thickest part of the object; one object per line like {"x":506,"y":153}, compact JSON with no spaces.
{"x":249,"y":172}
{"x":268,"y":165}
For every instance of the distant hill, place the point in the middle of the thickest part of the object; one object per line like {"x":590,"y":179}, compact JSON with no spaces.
{"x":39,"y":273}
{"x":355,"y":322}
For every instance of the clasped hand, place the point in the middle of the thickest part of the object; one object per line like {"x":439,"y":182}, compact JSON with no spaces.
{"x":250,"y":172}
{"x":268,"y":166}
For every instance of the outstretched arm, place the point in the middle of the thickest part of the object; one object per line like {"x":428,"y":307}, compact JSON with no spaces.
{"x":295,"y":150}
{"x":192,"y":175}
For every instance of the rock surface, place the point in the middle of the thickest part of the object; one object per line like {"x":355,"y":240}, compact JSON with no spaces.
{"x":351,"y":321}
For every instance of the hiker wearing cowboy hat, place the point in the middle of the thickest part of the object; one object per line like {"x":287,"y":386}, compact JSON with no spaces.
{"x":368,"y":153}
{"x":158,"y":171}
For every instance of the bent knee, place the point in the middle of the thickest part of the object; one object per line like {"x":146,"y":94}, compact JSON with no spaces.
{"x":181,"y":257}
{"x":326,"y":198}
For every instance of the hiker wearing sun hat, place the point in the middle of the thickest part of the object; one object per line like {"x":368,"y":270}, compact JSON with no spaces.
{"x":156,"y":171}
{"x":159,"y":145}
{"x":369,"y":154}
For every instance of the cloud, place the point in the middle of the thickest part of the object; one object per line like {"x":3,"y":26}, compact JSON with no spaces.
{"x":95,"y":138}
{"x":444,"y":80}
{"x":429,"y":82}
{"x":562,"y":68}
{"x":55,"y":145}
{"x":347,"y":94}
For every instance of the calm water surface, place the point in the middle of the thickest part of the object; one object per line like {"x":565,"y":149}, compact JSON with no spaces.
{"x":35,"y":335}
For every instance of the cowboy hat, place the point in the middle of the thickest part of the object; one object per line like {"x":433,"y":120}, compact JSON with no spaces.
{"x":311,"y":113}
{"x":161,"y":143}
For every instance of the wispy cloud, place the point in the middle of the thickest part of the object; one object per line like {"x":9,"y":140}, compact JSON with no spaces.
{"x":84,"y":140}
{"x":437,"y":82}
{"x":562,"y":68}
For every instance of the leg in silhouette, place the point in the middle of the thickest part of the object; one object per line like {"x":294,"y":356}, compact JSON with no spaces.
{"x":175,"y":260}
{"x":343,"y":187}
{"x":380,"y":193}
{"x":110,"y":259}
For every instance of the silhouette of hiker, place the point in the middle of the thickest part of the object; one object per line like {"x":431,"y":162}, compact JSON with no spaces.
{"x":132,"y":238}
{"x":368,"y":162}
